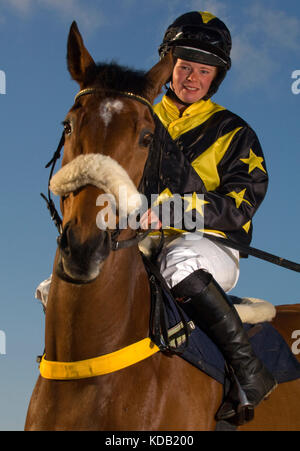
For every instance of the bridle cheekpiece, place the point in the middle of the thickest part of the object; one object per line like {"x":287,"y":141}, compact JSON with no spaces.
{"x":115,"y":244}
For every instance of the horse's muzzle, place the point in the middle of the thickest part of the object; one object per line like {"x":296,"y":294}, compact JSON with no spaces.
{"x":80,"y":260}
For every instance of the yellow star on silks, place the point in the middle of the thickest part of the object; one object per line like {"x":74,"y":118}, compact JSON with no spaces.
{"x":163,"y":196}
{"x":246,"y":226}
{"x":238,"y":197}
{"x":195,"y":203}
{"x":253,"y":161}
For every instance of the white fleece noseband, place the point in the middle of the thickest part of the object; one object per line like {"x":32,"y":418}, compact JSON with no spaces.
{"x":104,"y":173}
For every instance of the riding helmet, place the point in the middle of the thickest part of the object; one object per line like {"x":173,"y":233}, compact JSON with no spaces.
{"x":202,"y":38}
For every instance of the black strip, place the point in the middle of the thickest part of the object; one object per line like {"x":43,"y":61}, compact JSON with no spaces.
{"x":248,"y":250}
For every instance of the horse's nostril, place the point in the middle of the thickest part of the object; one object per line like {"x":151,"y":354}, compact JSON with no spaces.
{"x":62,"y":241}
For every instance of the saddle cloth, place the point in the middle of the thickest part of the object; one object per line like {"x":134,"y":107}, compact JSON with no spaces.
{"x":266,"y":342}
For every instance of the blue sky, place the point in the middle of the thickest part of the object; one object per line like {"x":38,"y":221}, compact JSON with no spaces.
{"x":39,"y":92}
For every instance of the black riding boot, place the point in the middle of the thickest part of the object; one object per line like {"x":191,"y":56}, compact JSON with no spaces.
{"x":210,"y":308}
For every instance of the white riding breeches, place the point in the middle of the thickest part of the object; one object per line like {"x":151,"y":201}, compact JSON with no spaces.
{"x":187,"y":253}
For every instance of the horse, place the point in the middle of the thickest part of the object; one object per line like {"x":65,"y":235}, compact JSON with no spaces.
{"x":100,"y":370}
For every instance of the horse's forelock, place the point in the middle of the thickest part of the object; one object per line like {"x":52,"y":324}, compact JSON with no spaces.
{"x":113,"y":76}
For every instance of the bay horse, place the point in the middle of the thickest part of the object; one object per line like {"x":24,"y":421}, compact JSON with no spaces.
{"x":99,"y":300}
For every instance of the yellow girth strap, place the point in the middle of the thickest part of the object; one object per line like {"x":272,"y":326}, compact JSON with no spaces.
{"x":99,"y":365}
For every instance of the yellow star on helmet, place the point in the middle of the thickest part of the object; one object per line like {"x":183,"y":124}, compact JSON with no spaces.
{"x":254,"y":162}
{"x":238,"y":197}
{"x":195,"y":203}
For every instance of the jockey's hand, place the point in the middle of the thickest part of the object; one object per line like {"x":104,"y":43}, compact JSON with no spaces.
{"x":150,"y":220}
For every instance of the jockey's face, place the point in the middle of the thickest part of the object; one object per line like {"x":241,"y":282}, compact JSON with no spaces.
{"x":191,"y":81}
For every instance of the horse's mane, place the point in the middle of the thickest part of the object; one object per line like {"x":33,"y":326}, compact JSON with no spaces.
{"x":116,"y":77}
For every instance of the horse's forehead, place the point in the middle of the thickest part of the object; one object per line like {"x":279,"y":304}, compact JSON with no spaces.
{"x":108,"y":107}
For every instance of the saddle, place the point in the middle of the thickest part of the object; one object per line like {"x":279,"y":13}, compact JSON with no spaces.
{"x":174,"y":332}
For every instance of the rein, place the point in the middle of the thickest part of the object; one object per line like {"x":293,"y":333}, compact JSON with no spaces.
{"x":115,"y":244}
{"x":145,"y":348}
{"x":130,"y":354}
{"x":258,"y":253}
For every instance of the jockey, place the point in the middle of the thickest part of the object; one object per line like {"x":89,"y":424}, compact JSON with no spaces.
{"x":213,"y":160}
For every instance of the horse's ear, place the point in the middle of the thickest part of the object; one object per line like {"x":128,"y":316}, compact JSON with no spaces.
{"x":78,"y":58}
{"x":159,"y":75}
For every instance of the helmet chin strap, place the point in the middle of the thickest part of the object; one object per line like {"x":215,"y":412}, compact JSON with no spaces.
{"x":171,"y":93}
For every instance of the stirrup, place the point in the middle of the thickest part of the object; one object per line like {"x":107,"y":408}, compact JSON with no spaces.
{"x":236,"y":408}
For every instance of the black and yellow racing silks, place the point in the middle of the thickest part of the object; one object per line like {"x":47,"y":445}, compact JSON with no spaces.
{"x":213,"y":160}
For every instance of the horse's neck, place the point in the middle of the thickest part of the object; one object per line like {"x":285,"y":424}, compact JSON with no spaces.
{"x":83,"y":321}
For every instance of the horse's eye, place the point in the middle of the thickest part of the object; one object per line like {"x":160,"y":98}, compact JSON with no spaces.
{"x":146,"y":138}
{"x":67,"y":127}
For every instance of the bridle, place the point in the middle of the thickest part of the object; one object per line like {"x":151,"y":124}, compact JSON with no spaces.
{"x":130,"y":95}
{"x":55,"y":217}
{"x":117,"y":244}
